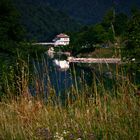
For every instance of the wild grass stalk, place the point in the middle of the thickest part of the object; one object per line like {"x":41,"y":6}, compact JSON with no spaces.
{"x":109,"y":118}
{"x":89,"y":113}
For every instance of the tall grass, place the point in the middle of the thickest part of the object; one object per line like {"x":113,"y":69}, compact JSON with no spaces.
{"x":91,"y":112}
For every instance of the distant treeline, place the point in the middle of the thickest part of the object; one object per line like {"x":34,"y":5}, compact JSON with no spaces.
{"x":116,"y":30}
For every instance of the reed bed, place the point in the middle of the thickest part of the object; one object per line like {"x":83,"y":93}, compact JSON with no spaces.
{"x":91,"y":112}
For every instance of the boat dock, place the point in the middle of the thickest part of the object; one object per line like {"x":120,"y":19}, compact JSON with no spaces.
{"x":94,"y":60}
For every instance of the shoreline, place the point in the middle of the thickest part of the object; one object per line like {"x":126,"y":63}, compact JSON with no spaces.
{"x":94,"y":60}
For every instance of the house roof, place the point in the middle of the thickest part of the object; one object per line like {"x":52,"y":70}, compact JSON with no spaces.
{"x":62,"y":36}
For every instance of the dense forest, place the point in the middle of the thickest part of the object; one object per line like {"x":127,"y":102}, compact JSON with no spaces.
{"x":114,"y":28}
{"x":45,"y":18}
{"x":11,"y":31}
{"x":13,"y":34}
{"x":42,"y":21}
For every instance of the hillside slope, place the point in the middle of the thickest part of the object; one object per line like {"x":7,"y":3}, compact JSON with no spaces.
{"x":45,"y":18}
{"x":91,"y":11}
{"x":41,"y":21}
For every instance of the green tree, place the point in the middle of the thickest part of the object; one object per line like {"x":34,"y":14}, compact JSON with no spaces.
{"x":89,"y":37}
{"x":108,"y":22}
{"x":132,"y":47}
{"x":120,"y":24}
{"x":11,"y":30}
{"x":133,"y":35}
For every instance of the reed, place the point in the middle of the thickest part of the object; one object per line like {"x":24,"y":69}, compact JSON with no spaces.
{"x":91,"y":112}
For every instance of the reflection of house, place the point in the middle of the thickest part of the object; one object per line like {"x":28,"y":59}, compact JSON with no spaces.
{"x":61,"y":40}
{"x":61,"y":64}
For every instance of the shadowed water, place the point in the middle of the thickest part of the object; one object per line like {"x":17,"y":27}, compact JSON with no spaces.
{"x":45,"y":74}
{"x":62,"y":80}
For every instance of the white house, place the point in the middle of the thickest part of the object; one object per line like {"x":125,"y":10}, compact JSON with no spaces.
{"x":61,"y":40}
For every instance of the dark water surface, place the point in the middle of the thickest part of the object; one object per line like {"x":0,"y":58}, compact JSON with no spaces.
{"x":45,"y":73}
{"x":76,"y":75}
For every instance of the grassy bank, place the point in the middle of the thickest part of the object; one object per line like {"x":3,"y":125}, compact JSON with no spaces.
{"x":92,"y":112}
{"x":108,"y":118}
{"x":99,"y":53}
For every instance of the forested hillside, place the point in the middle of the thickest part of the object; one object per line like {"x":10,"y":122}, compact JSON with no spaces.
{"x":91,"y":11}
{"x":45,"y":18}
{"x":11,"y":31}
{"x":41,"y":21}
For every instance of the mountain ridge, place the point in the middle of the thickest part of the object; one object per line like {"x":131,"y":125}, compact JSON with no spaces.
{"x":43,"y":22}
{"x":92,"y":11}
{"x":45,"y":18}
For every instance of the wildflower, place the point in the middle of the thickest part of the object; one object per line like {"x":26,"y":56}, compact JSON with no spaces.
{"x":56,"y":133}
{"x":87,"y":111}
{"x":71,"y":136}
{"x":85,"y":132}
{"x":61,"y":138}
{"x":79,"y":139}
{"x":65,"y":132}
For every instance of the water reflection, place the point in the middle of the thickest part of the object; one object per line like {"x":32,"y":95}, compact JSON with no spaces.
{"x":62,"y":75}
{"x":61,"y":64}
{"x":49,"y":72}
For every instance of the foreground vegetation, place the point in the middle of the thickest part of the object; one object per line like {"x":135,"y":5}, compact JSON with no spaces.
{"x":106,"y":118}
{"x":109,"y":118}
{"x":91,"y":112}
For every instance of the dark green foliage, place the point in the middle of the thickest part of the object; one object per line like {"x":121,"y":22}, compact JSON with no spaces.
{"x":108,"y":22}
{"x":43,"y":22}
{"x":10,"y":29}
{"x":11,"y":32}
{"x":132,"y":48}
{"x":133,"y":35}
{"x":43,"y":19}
{"x":120,"y":25}
{"x":115,"y":29}
{"x":87,"y":39}
{"x":109,"y":18}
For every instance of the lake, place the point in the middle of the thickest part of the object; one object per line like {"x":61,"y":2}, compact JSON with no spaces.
{"x":44,"y":73}
{"x":74,"y":76}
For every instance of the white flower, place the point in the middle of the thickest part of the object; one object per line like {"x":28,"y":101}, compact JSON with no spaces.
{"x":61,"y":138}
{"x":64,"y":132}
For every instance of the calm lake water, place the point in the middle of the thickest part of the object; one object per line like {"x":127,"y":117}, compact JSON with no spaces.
{"x":45,"y":72}
{"x":76,"y":75}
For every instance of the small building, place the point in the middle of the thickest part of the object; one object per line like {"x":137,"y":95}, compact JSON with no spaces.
{"x":61,"y":40}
